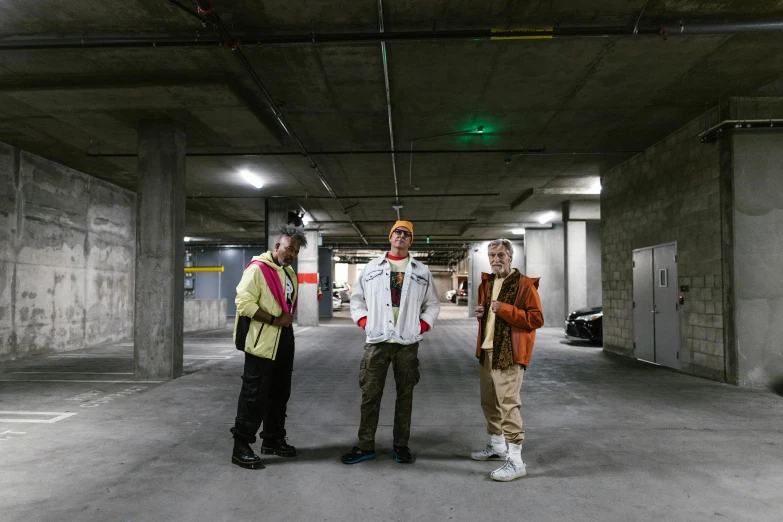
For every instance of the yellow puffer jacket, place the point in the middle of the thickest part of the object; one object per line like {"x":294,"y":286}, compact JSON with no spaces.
{"x":254,"y":293}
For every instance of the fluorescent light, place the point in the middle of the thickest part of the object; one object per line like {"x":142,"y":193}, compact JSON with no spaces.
{"x":336,"y":258}
{"x":518,"y":231}
{"x":187,"y":239}
{"x":546,"y":217}
{"x":306,"y":219}
{"x":251,"y":178}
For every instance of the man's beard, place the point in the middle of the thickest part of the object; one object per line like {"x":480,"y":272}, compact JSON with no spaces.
{"x":500,"y":272}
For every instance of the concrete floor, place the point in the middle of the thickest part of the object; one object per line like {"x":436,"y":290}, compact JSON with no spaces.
{"x":607,"y":439}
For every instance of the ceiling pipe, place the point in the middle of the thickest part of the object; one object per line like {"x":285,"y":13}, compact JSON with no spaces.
{"x":375,"y":196}
{"x":673,"y":27}
{"x":509,"y":152}
{"x":397,"y":206}
{"x":711,"y":134}
{"x":228,"y":41}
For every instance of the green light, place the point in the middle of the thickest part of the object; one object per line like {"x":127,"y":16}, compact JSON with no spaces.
{"x":480,"y":129}
{"x":428,"y":239}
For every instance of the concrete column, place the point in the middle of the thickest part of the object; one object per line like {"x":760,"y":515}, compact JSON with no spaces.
{"x":756,"y":283}
{"x":576,"y":265}
{"x":545,"y":259}
{"x":160,"y":252}
{"x":325,"y":279}
{"x":275,"y":216}
{"x":307,"y":309}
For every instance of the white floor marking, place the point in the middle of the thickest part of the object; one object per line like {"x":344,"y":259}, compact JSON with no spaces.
{"x":74,"y":380}
{"x":208,"y":357}
{"x":82,"y":373}
{"x":90,"y":356}
{"x":302,"y":330}
{"x":56,"y":416}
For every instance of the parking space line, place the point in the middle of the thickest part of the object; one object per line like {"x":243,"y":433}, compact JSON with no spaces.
{"x":80,"y":373}
{"x":56,"y":416}
{"x":75,"y":380}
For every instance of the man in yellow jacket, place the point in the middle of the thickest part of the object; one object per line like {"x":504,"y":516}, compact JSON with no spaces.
{"x":266,"y":300}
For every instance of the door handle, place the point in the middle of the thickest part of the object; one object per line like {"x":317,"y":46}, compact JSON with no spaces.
{"x":655,"y":310}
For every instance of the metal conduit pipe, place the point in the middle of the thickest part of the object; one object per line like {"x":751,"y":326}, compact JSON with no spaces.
{"x":205,"y":8}
{"x":711,"y":134}
{"x":512,"y":152}
{"x":397,"y":206}
{"x":676,"y":27}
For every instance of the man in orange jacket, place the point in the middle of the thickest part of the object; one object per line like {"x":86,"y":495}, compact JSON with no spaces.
{"x":509,"y":312}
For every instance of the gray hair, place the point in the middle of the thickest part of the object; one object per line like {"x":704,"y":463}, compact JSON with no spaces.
{"x":294,"y":232}
{"x":505,"y":243}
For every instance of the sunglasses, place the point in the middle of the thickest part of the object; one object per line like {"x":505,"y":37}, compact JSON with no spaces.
{"x":401,"y":232}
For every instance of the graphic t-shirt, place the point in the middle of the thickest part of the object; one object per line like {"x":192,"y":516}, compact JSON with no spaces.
{"x":289,"y":293}
{"x":397,"y":279}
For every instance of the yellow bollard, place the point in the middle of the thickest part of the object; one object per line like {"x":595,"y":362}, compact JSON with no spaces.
{"x":203,"y":269}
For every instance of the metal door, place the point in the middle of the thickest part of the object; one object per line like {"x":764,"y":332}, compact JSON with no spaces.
{"x":667,"y":314}
{"x":643,"y":305}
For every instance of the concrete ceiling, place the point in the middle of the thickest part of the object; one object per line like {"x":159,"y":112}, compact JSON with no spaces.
{"x":602,"y":98}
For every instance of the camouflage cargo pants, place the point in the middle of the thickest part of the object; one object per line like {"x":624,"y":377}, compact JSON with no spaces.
{"x":372,"y":378}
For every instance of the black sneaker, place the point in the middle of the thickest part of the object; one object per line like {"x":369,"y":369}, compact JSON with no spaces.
{"x":402,"y":454}
{"x":277,"y":447}
{"x":357,"y":455}
{"x":244,"y":457}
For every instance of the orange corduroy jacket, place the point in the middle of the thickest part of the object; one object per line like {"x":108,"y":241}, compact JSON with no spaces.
{"x":525,"y":317}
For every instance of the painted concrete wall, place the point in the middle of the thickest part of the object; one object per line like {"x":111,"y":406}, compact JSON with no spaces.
{"x":204,"y":314}
{"x":546,"y":259}
{"x":758,"y":256}
{"x":67,"y":252}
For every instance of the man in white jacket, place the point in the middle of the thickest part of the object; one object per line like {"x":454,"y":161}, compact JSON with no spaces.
{"x":395,"y":301}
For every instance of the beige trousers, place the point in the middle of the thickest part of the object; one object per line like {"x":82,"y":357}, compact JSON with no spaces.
{"x":500,"y":399}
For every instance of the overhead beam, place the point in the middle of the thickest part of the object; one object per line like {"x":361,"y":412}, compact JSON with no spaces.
{"x":255,"y":106}
{"x":551,"y":192}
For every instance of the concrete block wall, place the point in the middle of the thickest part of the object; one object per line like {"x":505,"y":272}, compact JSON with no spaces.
{"x":671,"y":192}
{"x":67,"y":251}
{"x":204,"y":314}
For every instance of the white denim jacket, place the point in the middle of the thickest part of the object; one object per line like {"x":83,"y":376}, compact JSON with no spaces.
{"x":371,"y":298}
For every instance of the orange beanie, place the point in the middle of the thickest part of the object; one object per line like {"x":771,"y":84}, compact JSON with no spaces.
{"x":404,"y":224}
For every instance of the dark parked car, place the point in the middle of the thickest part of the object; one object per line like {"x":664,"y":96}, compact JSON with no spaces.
{"x":586,"y":324}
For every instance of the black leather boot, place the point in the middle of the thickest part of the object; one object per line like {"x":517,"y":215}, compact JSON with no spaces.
{"x":277,"y":447}
{"x":244,"y":457}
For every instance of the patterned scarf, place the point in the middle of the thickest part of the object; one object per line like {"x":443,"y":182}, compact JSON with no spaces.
{"x":502,"y":353}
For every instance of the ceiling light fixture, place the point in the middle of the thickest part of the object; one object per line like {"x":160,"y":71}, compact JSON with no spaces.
{"x":306,"y":219}
{"x":546,"y":218}
{"x":187,"y":239}
{"x":518,"y":231}
{"x":336,"y":258}
{"x":251,"y":178}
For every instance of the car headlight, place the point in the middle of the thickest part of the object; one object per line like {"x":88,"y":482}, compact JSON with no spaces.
{"x":591,"y":317}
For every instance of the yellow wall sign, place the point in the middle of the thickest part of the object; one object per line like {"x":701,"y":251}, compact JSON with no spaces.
{"x":522,"y":33}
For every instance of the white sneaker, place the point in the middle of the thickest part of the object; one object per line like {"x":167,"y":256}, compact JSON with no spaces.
{"x":490,"y":452}
{"x":509,"y":471}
